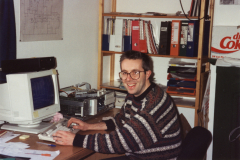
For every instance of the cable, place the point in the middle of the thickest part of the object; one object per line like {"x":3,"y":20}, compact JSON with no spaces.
{"x":183,"y":10}
{"x":63,"y":91}
{"x":230,"y":134}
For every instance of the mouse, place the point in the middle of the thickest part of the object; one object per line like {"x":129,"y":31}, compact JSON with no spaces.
{"x":73,"y":124}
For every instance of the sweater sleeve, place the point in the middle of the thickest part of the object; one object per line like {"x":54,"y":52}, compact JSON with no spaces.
{"x":120,"y":117}
{"x":78,"y":140}
{"x":133,"y":136}
{"x":110,"y":125}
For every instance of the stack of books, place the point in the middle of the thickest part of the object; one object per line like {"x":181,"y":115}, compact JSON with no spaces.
{"x":182,"y":78}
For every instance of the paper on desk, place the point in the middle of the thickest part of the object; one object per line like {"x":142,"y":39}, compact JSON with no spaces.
{"x":18,"y":144}
{"x":34,"y":155}
{"x":12,"y":148}
{"x":7,"y":136}
{"x":14,"y":145}
{"x":9,"y":149}
{"x":18,"y":149}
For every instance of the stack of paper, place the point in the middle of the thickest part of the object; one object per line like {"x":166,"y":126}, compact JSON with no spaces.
{"x":18,"y":149}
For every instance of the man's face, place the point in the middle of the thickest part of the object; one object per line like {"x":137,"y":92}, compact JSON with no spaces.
{"x":135,"y":87}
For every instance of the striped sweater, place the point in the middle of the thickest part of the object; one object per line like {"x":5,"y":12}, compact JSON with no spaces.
{"x":147,"y":127}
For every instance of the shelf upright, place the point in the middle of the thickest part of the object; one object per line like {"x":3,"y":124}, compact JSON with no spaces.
{"x":199,"y":64}
{"x":100,"y":54}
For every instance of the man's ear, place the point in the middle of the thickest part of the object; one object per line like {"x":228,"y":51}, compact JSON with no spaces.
{"x":148,"y":74}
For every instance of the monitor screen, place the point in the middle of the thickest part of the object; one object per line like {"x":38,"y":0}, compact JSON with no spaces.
{"x":42,"y":92}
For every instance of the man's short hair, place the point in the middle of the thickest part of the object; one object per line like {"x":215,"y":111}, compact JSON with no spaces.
{"x":147,"y":62}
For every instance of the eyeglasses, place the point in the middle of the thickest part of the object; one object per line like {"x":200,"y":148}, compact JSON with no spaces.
{"x":134,"y":75}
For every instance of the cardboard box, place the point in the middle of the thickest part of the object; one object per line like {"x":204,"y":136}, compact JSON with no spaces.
{"x":225,"y":42}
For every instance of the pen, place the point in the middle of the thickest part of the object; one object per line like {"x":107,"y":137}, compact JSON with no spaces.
{"x":48,"y":155}
{"x":51,"y":145}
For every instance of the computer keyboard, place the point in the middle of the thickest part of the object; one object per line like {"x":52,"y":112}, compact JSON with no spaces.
{"x":60,"y":125}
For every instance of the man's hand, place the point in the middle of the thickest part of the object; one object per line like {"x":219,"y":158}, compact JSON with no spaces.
{"x":86,"y":126}
{"x":80,"y":124}
{"x":64,"y":137}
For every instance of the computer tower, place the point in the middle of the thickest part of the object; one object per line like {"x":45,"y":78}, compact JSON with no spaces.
{"x":226,"y":113}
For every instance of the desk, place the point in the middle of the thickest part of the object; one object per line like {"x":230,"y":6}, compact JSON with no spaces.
{"x":66,"y":152}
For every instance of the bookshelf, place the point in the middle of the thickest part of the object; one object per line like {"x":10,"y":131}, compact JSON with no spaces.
{"x":201,"y":75}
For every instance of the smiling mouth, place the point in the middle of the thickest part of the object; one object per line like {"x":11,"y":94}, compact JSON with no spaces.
{"x":130,"y":85}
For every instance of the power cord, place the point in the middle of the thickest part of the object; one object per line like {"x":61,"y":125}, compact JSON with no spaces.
{"x":183,"y":10}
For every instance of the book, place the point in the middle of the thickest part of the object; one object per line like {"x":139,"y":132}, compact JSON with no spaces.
{"x":148,"y":38}
{"x":191,"y":8}
{"x":154,"y":45}
{"x":142,"y":38}
{"x":135,"y":35}
{"x":127,"y":38}
{"x":205,"y":50}
{"x":181,"y":83}
{"x":192,"y":41}
{"x":181,"y":76}
{"x":183,"y":64}
{"x":152,"y":42}
{"x":194,"y":12}
{"x":112,"y":34}
{"x":165,"y":38}
{"x":106,"y":35}
{"x":118,"y":35}
{"x":175,"y":37}
{"x":183,"y":38}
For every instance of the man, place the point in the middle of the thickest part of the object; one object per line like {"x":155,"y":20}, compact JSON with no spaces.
{"x":147,"y":126}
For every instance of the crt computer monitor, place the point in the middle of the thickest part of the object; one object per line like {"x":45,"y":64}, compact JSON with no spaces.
{"x":28,"y":98}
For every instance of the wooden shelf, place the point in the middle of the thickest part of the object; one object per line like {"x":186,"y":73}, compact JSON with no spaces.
{"x":106,"y":53}
{"x":145,"y":16}
{"x":185,"y":103}
{"x":112,"y":88}
{"x":114,"y":85}
{"x":204,"y":59}
{"x":182,"y":95}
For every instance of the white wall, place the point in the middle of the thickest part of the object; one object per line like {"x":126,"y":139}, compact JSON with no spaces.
{"x":226,"y":15}
{"x":77,"y":53}
{"x":162,"y":6}
{"x":211,"y":108}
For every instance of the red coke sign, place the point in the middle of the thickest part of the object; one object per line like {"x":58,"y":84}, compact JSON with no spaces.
{"x":225,"y":42}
